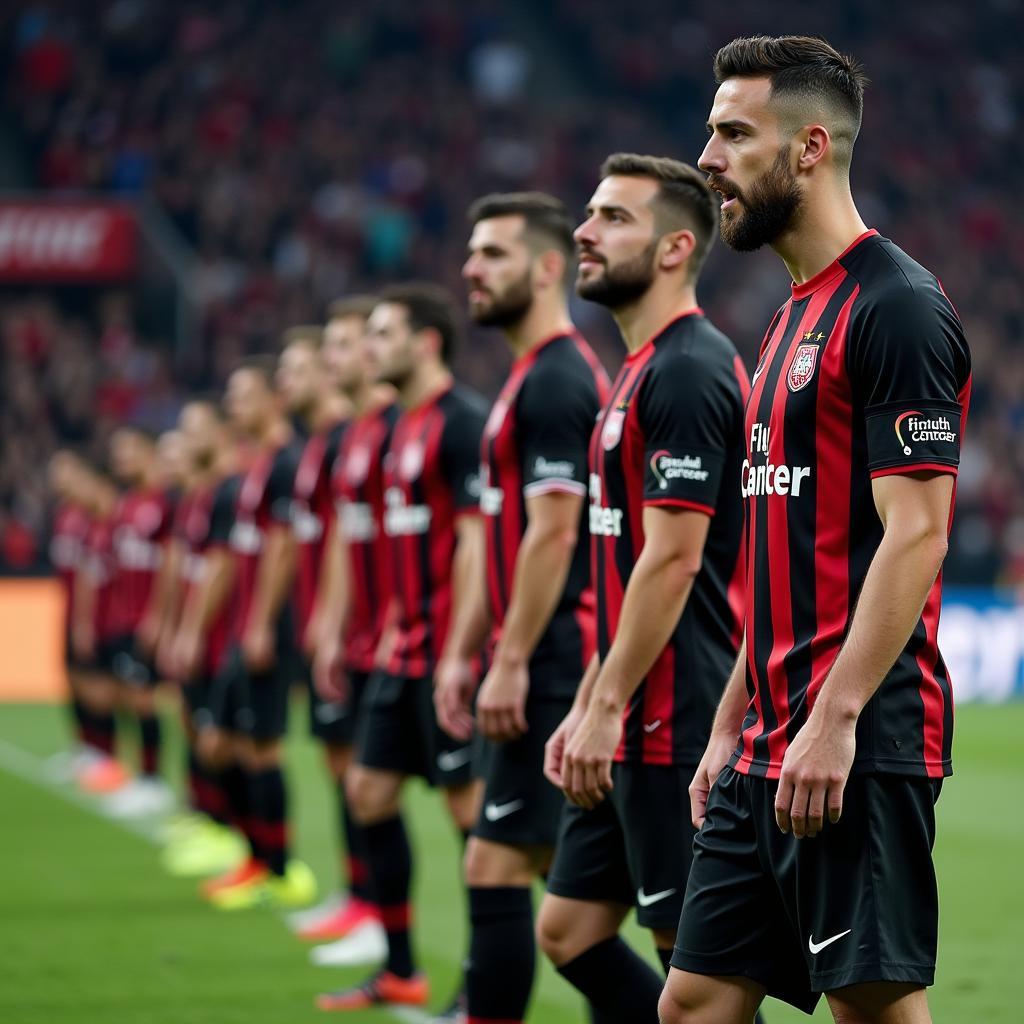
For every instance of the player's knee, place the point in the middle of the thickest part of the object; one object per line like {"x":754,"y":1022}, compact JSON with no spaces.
{"x":556,"y":934}
{"x":492,"y":864}
{"x":339,"y":760}
{"x":369,"y":799}
{"x":681,"y":1001}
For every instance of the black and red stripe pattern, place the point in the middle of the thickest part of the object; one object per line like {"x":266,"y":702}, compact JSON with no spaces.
{"x":535,"y":442}
{"x":863,"y":373}
{"x":431,"y":476}
{"x":358,"y":486}
{"x":669,"y":436}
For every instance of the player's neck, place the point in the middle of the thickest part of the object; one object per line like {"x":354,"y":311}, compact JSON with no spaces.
{"x":828,"y":224}
{"x":540,"y":324}
{"x":326,"y":411}
{"x":423,"y":384}
{"x":275,"y":433}
{"x":662,"y":303}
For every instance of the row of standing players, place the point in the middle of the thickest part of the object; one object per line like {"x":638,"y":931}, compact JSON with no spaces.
{"x":535,"y":609}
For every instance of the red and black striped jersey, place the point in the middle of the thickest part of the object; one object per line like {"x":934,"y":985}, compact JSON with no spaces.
{"x":264,"y":499}
{"x":68,"y":534}
{"x":206,"y":526}
{"x":141,"y":526}
{"x":431,"y":476}
{"x":864,"y":372}
{"x":671,"y":435}
{"x":312,"y":510}
{"x":100,"y":570}
{"x":535,"y":442}
{"x":358,"y":486}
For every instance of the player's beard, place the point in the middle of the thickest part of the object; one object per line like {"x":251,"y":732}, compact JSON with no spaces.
{"x":509,"y":308}
{"x":767,"y":208}
{"x":622,"y":284}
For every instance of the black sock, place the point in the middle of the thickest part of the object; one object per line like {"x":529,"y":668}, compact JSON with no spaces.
{"x":390,"y":860}
{"x":270,"y":817}
{"x":502,"y":952}
{"x":356,"y":868}
{"x":236,"y":794}
{"x":80,"y":721}
{"x":206,"y":789}
{"x":665,"y":956}
{"x":619,"y":984}
{"x":149,"y":743}
{"x":103,"y":730}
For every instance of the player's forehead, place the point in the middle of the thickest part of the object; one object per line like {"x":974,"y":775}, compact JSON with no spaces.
{"x":502,"y":232}
{"x":298,"y":356}
{"x":341,"y":329}
{"x":628,"y":192}
{"x":744,"y":101}
{"x":387,"y":316}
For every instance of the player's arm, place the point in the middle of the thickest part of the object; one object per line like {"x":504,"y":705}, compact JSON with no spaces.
{"x":83,"y":629}
{"x":914,"y":511}
{"x":468,"y":616}
{"x":907,"y":360}
{"x":159,"y":613}
{"x":655,"y":597}
{"x":554,"y":749}
{"x":725,"y":731}
{"x":209,"y":599}
{"x":541,"y":569}
{"x":331,"y":614}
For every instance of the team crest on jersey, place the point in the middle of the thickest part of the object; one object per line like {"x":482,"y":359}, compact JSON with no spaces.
{"x":801,"y":370}
{"x":410,"y":462}
{"x":357,"y":465}
{"x":611,"y":432}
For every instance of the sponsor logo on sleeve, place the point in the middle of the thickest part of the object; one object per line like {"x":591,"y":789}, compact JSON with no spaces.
{"x":915,"y":427}
{"x":559,"y":469}
{"x":666,"y":467}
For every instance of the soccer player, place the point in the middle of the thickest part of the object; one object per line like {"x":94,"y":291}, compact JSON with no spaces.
{"x":249,"y":698}
{"x":196,"y":650}
{"x":812,"y":870}
{"x":435,"y":542}
{"x":347,"y":620}
{"x":538,"y":595}
{"x":140,"y":531}
{"x":665,"y":536}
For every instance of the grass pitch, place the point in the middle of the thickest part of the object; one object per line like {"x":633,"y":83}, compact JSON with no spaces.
{"x":92,"y":931}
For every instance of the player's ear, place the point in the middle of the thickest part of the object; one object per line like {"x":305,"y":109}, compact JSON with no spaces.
{"x":548,"y":268}
{"x":677,"y":246}
{"x":814,"y":142}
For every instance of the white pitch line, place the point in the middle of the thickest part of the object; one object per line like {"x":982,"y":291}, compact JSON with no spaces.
{"x":32,"y":769}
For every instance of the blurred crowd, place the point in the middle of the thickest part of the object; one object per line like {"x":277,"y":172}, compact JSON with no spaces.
{"x":309,"y":149}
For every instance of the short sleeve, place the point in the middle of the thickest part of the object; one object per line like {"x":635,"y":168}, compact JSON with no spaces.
{"x":687,"y":411}
{"x":281,"y":484}
{"x":460,"y":454}
{"x":909,"y":365}
{"x":555,"y":417}
{"x":222,"y":512}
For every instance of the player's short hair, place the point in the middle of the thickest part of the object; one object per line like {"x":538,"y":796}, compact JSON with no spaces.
{"x":263,"y":365}
{"x":303,"y":334}
{"x":352,"y":306}
{"x":209,"y":402}
{"x":427,"y":306}
{"x":809,"y":77}
{"x":137,"y":430}
{"x":547,"y":224}
{"x":683,"y":200}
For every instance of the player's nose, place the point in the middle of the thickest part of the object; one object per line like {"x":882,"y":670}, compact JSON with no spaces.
{"x":711,"y":160}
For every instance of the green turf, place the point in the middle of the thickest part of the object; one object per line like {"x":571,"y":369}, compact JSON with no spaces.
{"x":90,"y":930}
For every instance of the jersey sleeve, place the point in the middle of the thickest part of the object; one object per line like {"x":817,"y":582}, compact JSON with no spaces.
{"x":555,"y":417}
{"x":909,"y":365}
{"x":222,"y":513}
{"x":281,"y":484}
{"x":460,"y":455}
{"x":687,"y":411}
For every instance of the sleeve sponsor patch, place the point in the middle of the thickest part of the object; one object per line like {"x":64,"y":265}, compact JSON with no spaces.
{"x":913,"y":433}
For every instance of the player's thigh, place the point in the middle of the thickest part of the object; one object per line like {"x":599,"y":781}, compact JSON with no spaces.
{"x":387,"y":739}
{"x":567,"y":927}
{"x":489,"y":864}
{"x":372,"y":793}
{"x":706,"y":999}
{"x":880,"y":1003}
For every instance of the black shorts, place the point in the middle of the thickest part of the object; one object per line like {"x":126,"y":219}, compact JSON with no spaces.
{"x":334,"y":722}
{"x":254,"y":704}
{"x":521,"y":808}
{"x":127,"y":664}
{"x":634,"y":848}
{"x":398,"y":732}
{"x":856,"y":904}
{"x":196,"y":695}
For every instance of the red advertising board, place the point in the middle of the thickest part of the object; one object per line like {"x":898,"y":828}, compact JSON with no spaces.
{"x":66,"y":242}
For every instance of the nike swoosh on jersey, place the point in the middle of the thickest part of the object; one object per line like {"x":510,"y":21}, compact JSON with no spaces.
{"x":817,"y":947}
{"x":495,"y":812}
{"x":645,"y":901}
{"x":651,"y":726}
{"x":452,"y":759}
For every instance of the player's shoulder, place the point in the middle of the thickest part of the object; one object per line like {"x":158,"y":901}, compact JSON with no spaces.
{"x":694,"y":349}
{"x":562,"y":367}
{"x":461,"y":400}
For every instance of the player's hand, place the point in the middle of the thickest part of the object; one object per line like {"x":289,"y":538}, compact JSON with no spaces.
{"x":587,"y":765}
{"x":815,"y":768}
{"x":554,"y":749}
{"x":329,"y":676}
{"x":147,"y":634}
{"x":187,"y":654}
{"x":501,"y":703}
{"x":164,"y":657}
{"x":719,"y":749}
{"x":454,"y":683}
{"x":258,"y":648}
{"x":83,"y":640}
{"x":311,"y":635}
